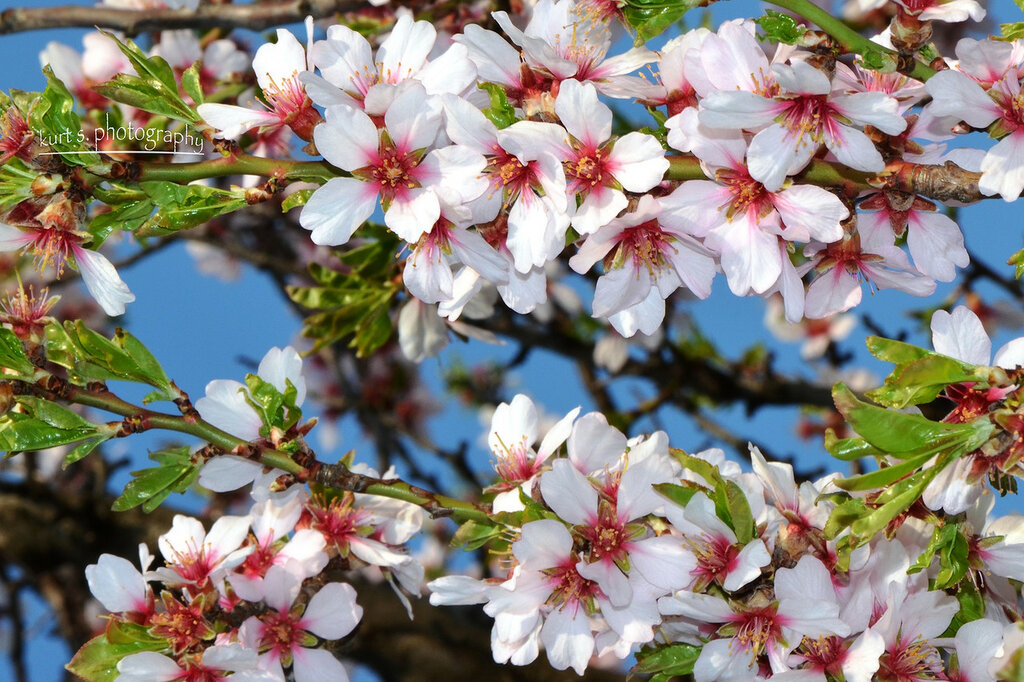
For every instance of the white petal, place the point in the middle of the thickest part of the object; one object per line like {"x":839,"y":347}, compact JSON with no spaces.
{"x":337,"y":209}
{"x":102,"y":281}
{"x":332,"y":612}
{"x":960,"y":335}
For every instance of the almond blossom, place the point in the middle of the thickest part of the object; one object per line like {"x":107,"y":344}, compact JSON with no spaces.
{"x":739,"y":217}
{"x":283,"y":635}
{"x":802,"y":116}
{"x":277,"y":66}
{"x":844,"y":264}
{"x":649,"y":256}
{"x":391,"y":166}
{"x":351,"y":75}
{"x":804,"y":606}
{"x":54,"y":245}
{"x":565,"y":41}
{"x":524,"y":176}
{"x":225,"y":405}
{"x":514,"y":429}
{"x":595,"y":167}
{"x":986,"y":91}
{"x":198,"y":559}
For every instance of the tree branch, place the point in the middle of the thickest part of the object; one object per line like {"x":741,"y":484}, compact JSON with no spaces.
{"x":256,"y":16}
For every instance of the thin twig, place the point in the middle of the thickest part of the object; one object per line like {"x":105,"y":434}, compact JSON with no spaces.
{"x":255,"y":16}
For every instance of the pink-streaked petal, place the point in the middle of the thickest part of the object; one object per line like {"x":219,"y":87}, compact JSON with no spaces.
{"x":584,"y":116}
{"x":337,"y":209}
{"x":102,"y":281}
{"x":854,"y":149}
{"x":232,"y":121}
{"x":752,"y":558}
{"x":566,"y":636}
{"x":569,"y":493}
{"x":277,"y":63}
{"x":609,"y":578}
{"x":405,"y":49}
{"x":348,"y":138}
{"x":117,"y":584}
{"x":954,"y":94}
{"x":776,"y":152}
{"x":738,"y":110}
{"x":542,"y":544}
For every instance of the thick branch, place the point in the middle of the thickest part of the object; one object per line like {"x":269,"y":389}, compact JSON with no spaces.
{"x":256,"y":16}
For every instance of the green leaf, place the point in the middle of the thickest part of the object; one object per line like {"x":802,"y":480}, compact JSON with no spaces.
{"x":90,"y":356}
{"x":884,"y":476}
{"x":922,"y":380}
{"x":146,"y":368}
{"x":155,"y":73}
{"x":679,"y":494}
{"x":903,"y":435}
{"x":1017,"y":259}
{"x":500,"y":112}
{"x":190,"y":83}
{"x":900,"y":496}
{"x":54,"y":120}
{"x":127,"y":217}
{"x":97,"y":660}
{"x":149,"y":487}
{"x":664,"y":662}
{"x":780,"y":28}
{"x":896,"y":352}
{"x":81,"y":451}
{"x":649,"y":18}
{"x":274,"y":408}
{"x":296,"y":199}
{"x":184,"y":206}
{"x":953,"y":561}
{"x":42,"y":424}
{"x":474,"y":534}
{"x":849,"y":449}
{"x":12,"y":355}
{"x":146,"y":95}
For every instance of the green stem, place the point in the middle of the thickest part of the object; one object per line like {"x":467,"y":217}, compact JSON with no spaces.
{"x":194,"y":427}
{"x":241,"y":164}
{"x":848,"y":39}
{"x":400,"y":490}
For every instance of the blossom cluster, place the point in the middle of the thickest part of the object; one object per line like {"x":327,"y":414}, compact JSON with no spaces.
{"x":487,"y":195}
{"x":607,"y":546}
{"x":638,"y":546}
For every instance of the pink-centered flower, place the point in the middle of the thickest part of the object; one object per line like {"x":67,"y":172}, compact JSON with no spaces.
{"x":608,"y":519}
{"x":598,"y":169}
{"x":648,"y":255}
{"x":514,"y":430}
{"x":738,"y":217}
{"x":524,"y":176}
{"x":390,"y":166}
{"x":197,"y":559}
{"x":844,"y":264}
{"x":802,"y":116}
{"x":351,"y":75}
{"x":984,"y":92}
{"x":55,"y":246}
{"x":805,"y":606}
{"x":284,"y":635}
{"x":277,"y":66}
